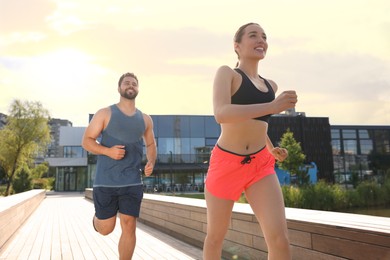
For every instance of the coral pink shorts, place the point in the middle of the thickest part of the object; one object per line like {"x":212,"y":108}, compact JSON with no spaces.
{"x":230,"y":174}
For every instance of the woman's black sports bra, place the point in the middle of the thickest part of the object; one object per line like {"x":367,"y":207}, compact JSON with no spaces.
{"x":247,"y":94}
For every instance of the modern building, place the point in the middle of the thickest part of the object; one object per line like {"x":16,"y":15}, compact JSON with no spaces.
{"x":70,"y":166}
{"x":55,"y":149}
{"x":184,"y":143}
{"x":363,"y":150}
{"x":313,"y":134}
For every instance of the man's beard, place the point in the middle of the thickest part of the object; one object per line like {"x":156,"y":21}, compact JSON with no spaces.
{"x":131,"y":96}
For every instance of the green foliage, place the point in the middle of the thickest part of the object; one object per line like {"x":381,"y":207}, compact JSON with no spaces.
{"x":355,"y":179}
{"x":22,"y":181}
{"x":43,"y":183}
{"x":2,"y":173}
{"x":353,"y":199}
{"x":26,"y":133}
{"x":295,"y":159}
{"x":325,"y":196}
{"x":370,"y":194}
{"x":293,"y":197}
{"x":2,"y":190}
{"x":50,"y":183}
{"x":39,"y":170}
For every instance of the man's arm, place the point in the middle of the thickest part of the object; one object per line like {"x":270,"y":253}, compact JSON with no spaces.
{"x":93,"y":131}
{"x":150,"y":144}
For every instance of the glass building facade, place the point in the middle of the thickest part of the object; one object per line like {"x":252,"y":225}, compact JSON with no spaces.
{"x":363,"y":150}
{"x":71,"y":170}
{"x":184,"y":144}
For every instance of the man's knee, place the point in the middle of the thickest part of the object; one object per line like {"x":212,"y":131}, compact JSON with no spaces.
{"x":106,"y":226}
{"x":128,"y":222}
{"x":105,"y":231}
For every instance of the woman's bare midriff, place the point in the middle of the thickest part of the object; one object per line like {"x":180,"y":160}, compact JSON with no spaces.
{"x":243,"y":138}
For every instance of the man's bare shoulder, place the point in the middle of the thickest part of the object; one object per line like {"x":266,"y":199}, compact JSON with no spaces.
{"x":148,"y":120}
{"x":102,"y":114}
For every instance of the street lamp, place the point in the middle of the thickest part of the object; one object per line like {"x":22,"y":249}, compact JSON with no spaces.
{"x":170,"y":167}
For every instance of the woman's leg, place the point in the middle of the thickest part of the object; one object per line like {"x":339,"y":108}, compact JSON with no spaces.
{"x":219,"y":212}
{"x":266,"y":200}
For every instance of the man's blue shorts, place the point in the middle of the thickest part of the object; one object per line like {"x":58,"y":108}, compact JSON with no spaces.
{"x":109,"y":200}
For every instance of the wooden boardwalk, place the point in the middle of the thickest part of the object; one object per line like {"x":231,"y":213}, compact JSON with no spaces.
{"x":61,"y":228}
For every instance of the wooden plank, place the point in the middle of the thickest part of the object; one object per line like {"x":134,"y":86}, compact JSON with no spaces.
{"x":38,"y":220}
{"x":23,"y":246}
{"x":48,"y":231}
{"x":349,"y":249}
{"x":37,"y":235}
{"x":61,"y":228}
{"x":66,"y":250}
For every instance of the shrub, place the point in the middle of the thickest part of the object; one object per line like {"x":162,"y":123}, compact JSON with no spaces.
{"x":340,"y":197}
{"x":320,"y":196}
{"x":40,"y":183}
{"x":325,"y":196}
{"x":22,"y":182}
{"x":292,"y":196}
{"x":370,"y":194}
{"x":50,"y":183}
{"x":352,"y":199}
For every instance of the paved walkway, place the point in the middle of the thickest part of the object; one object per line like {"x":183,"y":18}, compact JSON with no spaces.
{"x":61,"y":228}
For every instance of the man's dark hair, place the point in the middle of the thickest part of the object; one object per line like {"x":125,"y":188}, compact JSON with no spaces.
{"x":127,"y":74}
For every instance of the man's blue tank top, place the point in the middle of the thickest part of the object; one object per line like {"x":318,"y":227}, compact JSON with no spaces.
{"x":121,"y":130}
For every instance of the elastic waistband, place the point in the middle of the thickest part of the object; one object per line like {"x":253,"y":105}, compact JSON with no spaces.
{"x":237,"y":154}
{"x":239,"y":158}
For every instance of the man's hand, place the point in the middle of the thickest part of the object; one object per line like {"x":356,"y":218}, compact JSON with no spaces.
{"x":280,"y":154}
{"x":117,"y":152}
{"x":149,"y":168}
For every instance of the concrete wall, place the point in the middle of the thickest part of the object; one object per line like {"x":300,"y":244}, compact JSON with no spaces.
{"x":15,"y":209}
{"x":313,"y":234}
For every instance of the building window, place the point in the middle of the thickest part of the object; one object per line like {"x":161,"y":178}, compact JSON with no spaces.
{"x":349,"y":134}
{"x":336,"y":147}
{"x":382,"y":141}
{"x":350,"y":147}
{"x":335,"y":133}
{"x":74,"y":152}
{"x":363,"y":134}
{"x":366,"y":146}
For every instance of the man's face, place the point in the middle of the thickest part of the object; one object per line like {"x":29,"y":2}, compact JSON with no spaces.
{"x":129,"y":88}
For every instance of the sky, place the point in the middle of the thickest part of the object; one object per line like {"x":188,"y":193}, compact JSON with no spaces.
{"x":69,"y":55}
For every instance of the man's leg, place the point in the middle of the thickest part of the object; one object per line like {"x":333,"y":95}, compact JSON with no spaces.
{"x":127,"y":240}
{"x":106,"y":208}
{"x":104,"y":226}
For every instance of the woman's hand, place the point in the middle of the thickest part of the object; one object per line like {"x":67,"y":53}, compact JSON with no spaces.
{"x":280,"y":154}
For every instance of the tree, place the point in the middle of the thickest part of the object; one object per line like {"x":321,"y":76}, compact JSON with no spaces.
{"x":22,"y":181}
{"x":39,"y":170}
{"x":295,"y":159}
{"x":25,"y":135}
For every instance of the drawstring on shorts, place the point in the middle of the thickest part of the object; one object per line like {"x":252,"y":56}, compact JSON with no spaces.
{"x":247,"y":159}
